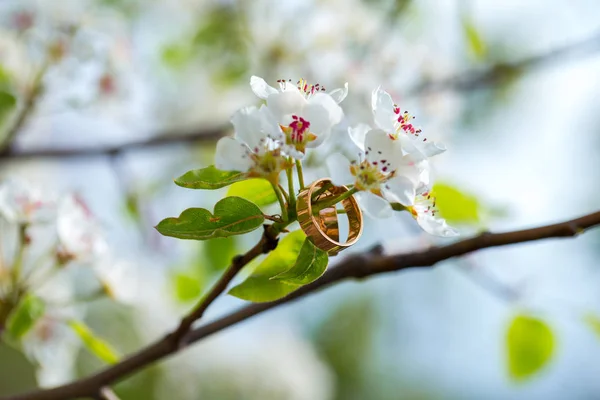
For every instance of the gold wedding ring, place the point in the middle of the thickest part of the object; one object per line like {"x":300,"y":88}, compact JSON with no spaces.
{"x":322,"y":226}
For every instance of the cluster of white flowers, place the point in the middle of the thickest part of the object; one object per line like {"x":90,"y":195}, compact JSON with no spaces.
{"x":296,"y":116}
{"x":79,"y":237}
{"x":391,"y":164}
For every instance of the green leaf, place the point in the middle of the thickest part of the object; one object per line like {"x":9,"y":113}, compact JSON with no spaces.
{"x":232,"y":216}
{"x":7,"y":104}
{"x":530,"y":345}
{"x":25,"y":315}
{"x":310,"y":265}
{"x":455,"y":206}
{"x":259,"y":287}
{"x":258,"y":190}
{"x":219,"y":253}
{"x":187,"y":287}
{"x":94,"y":344}
{"x":5,"y":78}
{"x":176,"y":55}
{"x":593,"y":321}
{"x":476,"y":44}
{"x":209,"y":178}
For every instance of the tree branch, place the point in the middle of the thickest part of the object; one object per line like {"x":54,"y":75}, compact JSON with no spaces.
{"x":267,"y":243}
{"x":181,"y":137}
{"x":357,"y":266}
{"x":465,"y":81}
{"x":503,"y":71}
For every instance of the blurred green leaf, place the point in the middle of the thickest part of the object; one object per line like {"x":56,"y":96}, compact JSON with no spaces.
{"x":221,"y":41}
{"x":476,"y":44}
{"x":530,"y":345}
{"x":209,"y":178}
{"x":17,"y":372}
{"x":219,"y":253}
{"x":187,"y":287}
{"x":176,"y":55}
{"x":7,"y":104}
{"x":258,"y":190}
{"x":5,"y":78}
{"x":456,"y":206}
{"x":25,"y":315}
{"x":593,"y":321}
{"x":259,"y":287}
{"x":94,"y":344}
{"x":309,"y":266}
{"x":344,"y":341}
{"x":232,"y":216}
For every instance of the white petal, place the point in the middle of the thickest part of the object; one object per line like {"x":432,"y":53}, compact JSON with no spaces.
{"x":380,"y":149}
{"x":383,"y":110}
{"x":246,"y":123}
{"x":431,"y":149}
{"x":232,"y":155}
{"x":290,"y":150}
{"x":320,"y":123}
{"x":401,"y":190}
{"x":412,"y":168}
{"x":253,"y":126}
{"x":285,"y":104}
{"x":269,"y":125}
{"x":261,"y":88}
{"x":436,"y":226}
{"x":374,"y":206}
{"x":339,"y":94}
{"x":334,"y":111}
{"x":358,"y":134}
{"x":339,"y":169}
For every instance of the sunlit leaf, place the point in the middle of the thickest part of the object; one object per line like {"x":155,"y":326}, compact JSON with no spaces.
{"x":219,"y":253}
{"x":259,"y":287}
{"x":232,"y":216}
{"x":94,"y":344}
{"x":530,"y":346}
{"x":25,"y":315}
{"x":209,"y":178}
{"x":456,"y":206}
{"x":187,"y":287}
{"x":309,"y":266}
{"x":475,"y":42}
{"x":259,"y":191}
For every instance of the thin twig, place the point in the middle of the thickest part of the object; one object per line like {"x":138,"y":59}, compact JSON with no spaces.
{"x":266,"y":244}
{"x":357,"y":266}
{"x":26,"y":110}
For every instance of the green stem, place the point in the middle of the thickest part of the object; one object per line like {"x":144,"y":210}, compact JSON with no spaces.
{"x":292,"y":193}
{"x":330,"y":202}
{"x":320,"y":191}
{"x":300,"y":174}
{"x":281,"y":199}
{"x":18,"y":262}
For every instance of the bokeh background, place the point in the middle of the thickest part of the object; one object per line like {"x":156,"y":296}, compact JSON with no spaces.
{"x":139,"y":92}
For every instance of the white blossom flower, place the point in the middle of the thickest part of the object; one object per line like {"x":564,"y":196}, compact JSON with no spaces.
{"x":398,"y":125}
{"x":256,"y":146}
{"x":305,"y":112}
{"x":22,"y":203}
{"x":382,"y":174}
{"x":78,"y":231}
{"x":427,"y":215}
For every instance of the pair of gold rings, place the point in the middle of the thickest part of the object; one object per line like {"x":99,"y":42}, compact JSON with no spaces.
{"x":322,"y":225}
